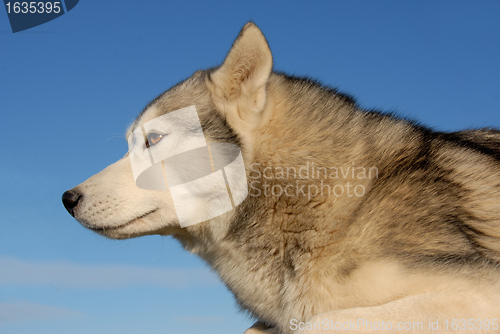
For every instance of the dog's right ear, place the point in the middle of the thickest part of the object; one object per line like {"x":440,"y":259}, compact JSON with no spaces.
{"x":239,"y":86}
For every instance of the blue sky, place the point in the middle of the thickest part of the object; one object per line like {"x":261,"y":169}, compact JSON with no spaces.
{"x":70,"y":87}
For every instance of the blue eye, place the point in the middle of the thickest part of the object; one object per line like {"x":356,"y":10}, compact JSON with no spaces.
{"x":153,"y":139}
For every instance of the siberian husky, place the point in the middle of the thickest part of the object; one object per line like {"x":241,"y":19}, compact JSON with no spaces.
{"x":353,"y":220}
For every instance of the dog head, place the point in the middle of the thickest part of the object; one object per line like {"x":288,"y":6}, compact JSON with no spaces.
{"x":231,"y":104}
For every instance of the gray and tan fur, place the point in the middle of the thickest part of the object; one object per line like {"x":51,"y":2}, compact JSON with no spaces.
{"x":422,"y":243}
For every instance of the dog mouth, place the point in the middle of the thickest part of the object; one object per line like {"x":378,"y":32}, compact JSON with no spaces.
{"x":110,"y":228}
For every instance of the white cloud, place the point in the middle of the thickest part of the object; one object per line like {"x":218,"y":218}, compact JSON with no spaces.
{"x":21,"y":311}
{"x":70,"y":275}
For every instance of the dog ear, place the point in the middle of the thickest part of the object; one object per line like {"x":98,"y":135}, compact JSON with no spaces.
{"x":239,"y":86}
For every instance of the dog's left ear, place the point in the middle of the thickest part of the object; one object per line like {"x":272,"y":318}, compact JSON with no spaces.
{"x":239,"y":86}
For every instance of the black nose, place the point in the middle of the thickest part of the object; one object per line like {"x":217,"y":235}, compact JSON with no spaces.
{"x":70,"y":200}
